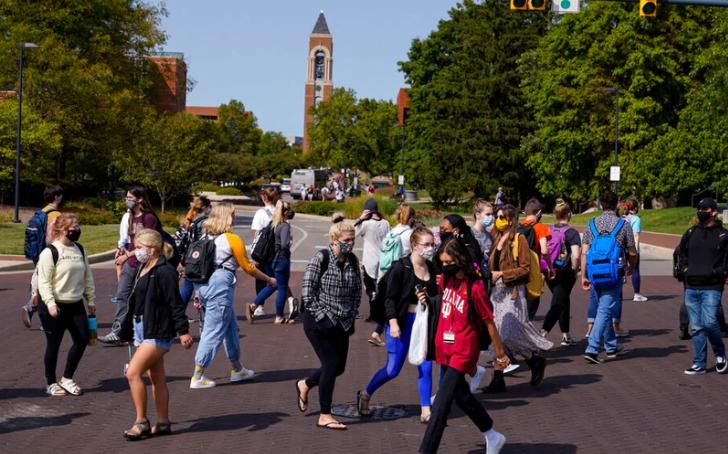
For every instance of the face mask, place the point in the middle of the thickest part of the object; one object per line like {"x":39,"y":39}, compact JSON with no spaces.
{"x":704,"y":216}
{"x":291,"y":214}
{"x":130,"y":204}
{"x":142,"y":255}
{"x":427,"y":252}
{"x":345,"y":248}
{"x":444,"y":236}
{"x":487,"y":220}
{"x":501,"y":225}
{"x":74,"y":235}
{"x":450,"y":270}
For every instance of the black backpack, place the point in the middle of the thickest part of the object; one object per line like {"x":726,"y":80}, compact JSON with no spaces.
{"x":530,"y":235}
{"x":167,"y":238}
{"x":200,"y":260}
{"x":265,"y":245}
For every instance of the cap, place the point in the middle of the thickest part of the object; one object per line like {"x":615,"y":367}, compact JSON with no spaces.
{"x":371,"y":205}
{"x":707,"y":203}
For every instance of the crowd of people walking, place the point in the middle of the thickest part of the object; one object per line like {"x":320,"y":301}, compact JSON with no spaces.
{"x":475,"y":288}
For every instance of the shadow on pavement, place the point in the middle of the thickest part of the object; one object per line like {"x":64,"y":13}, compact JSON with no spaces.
{"x":35,"y":422}
{"x":252,"y":421}
{"x":119,"y":384}
{"x":550,"y":385}
{"x":273,"y":376}
{"x":21,"y":393}
{"x":660,"y":298}
{"x":649,"y":332}
{"x":653,"y":352}
{"x":536,"y":448}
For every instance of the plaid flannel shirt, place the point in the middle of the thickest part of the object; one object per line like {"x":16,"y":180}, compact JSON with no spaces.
{"x":333,"y":292}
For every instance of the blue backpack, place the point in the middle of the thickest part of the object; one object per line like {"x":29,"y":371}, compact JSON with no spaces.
{"x":604,"y":258}
{"x":35,"y":235}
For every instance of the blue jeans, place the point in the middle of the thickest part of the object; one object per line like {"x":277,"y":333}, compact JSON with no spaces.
{"x":186,"y":292}
{"x":282,"y":273}
{"x":702,"y":308}
{"x":221,"y":323}
{"x":397,"y":350}
{"x":606,"y":302}
{"x":591,"y":312}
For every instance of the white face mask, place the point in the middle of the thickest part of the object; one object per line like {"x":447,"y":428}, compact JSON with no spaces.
{"x":142,"y":255}
{"x":427,"y":252}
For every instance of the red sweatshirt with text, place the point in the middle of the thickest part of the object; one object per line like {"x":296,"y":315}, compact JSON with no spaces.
{"x":462,"y":354}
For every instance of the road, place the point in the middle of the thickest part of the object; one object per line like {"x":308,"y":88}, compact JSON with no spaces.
{"x":641,"y":402}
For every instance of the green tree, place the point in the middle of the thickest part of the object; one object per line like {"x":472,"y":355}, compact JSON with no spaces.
{"x":468,"y":113}
{"x":240,"y":132}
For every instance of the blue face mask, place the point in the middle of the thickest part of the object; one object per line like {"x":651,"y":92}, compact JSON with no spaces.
{"x":345,"y":248}
{"x":487,"y":220}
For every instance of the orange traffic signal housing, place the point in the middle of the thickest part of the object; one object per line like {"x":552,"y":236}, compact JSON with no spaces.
{"x":648,"y":8}
{"x":519,"y":5}
{"x":537,"y":5}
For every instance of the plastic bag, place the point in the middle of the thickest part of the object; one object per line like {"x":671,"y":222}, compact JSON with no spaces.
{"x":418,"y":341}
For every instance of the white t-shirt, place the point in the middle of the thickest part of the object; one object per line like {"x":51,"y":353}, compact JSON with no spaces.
{"x":373,"y":233}
{"x":262,"y":218}
{"x":124,"y":231}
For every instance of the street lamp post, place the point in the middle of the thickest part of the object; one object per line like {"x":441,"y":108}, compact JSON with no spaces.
{"x":615,"y":90}
{"x":16,"y":217}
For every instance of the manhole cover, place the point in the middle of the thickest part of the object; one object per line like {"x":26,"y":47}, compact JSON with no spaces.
{"x":350,"y":411}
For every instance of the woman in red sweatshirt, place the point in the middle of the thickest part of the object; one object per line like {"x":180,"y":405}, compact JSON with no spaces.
{"x":457,"y":347}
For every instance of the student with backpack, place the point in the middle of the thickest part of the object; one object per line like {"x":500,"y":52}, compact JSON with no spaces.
{"x":564,"y":253}
{"x":217,"y":295}
{"x":630,"y":208}
{"x":142,"y":217}
{"x":510,"y":265}
{"x":188,"y":233}
{"x":703,"y":267}
{"x":608,"y":253}
{"x":372,"y":227}
{"x":400,"y":307}
{"x":38,"y":233}
{"x":281,"y":264}
{"x":458,"y":318}
{"x":263,"y":216}
{"x":537,"y":235}
{"x":65,"y":281}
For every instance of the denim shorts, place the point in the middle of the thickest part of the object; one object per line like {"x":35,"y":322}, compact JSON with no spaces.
{"x":164,"y":344}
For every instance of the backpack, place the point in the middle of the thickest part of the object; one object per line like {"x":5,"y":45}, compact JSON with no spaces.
{"x":183,"y":237}
{"x":54,"y":252}
{"x":535,"y":283}
{"x":605,"y":257}
{"x":391,"y":251}
{"x":200,"y":260}
{"x":265,"y":244}
{"x":677,"y":272}
{"x":324,"y":266}
{"x":530,"y":234}
{"x":169,"y":239}
{"x":559,"y":252}
{"x":35,"y":235}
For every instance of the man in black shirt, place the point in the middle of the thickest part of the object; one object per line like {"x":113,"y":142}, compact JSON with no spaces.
{"x":702,"y":260}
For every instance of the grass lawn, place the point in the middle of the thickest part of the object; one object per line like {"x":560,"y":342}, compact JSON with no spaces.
{"x":94,"y":238}
{"x":667,"y":220}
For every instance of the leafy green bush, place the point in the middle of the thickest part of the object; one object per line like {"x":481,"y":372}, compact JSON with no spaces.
{"x":107,"y":217}
{"x":318,"y":208}
{"x":230,"y":190}
{"x":205,"y":187}
{"x":352,"y":208}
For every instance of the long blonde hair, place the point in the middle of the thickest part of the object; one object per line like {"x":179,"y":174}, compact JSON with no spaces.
{"x":221,"y":219}
{"x":281,"y":209}
{"x":151,"y":238}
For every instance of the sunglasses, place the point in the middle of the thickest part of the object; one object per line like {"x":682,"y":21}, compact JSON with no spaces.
{"x":502,"y":216}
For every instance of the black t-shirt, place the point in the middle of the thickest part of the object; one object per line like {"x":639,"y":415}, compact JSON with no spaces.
{"x":430,"y":286}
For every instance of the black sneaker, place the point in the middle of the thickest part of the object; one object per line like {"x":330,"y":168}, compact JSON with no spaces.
{"x":618,"y":352}
{"x":721,"y":366}
{"x":592,"y":358}
{"x":695,"y":370}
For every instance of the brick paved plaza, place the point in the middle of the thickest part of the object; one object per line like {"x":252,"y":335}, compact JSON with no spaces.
{"x":641,"y":402}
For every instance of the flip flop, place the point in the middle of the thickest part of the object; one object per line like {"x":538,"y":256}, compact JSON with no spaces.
{"x":302,"y":404}
{"x":330,"y":426}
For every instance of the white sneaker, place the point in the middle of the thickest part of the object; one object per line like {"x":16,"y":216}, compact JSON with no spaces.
{"x":512,"y":367}
{"x":242,"y":375}
{"x":639,"y":298}
{"x":201,"y":383}
{"x":494,"y":441}
{"x":259,"y":312}
{"x":476,"y":379}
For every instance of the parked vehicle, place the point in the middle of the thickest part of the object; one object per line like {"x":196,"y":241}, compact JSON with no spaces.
{"x":303,"y":178}
{"x":286,"y":185}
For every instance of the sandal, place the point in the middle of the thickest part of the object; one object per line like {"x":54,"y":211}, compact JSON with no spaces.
{"x":425,"y":419}
{"x":161,"y":429}
{"x":249,"y":312}
{"x":362,"y":403}
{"x":332,"y":425}
{"x":138,"y":431}
{"x":302,"y":404}
{"x":70,"y":386}
{"x":279,"y":321}
{"x":55,"y":390}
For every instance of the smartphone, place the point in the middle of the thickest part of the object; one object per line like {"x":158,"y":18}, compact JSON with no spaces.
{"x":420,"y":288}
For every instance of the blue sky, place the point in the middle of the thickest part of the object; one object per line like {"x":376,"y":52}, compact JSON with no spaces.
{"x":255,"y":51}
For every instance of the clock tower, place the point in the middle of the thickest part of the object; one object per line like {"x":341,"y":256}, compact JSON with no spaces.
{"x":319,"y":85}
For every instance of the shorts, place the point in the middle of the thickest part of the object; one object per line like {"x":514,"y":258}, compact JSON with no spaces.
{"x":164,"y":344}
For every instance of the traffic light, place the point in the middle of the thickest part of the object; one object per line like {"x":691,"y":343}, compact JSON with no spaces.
{"x":519,"y":5}
{"x":537,"y":5}
{"x":648,"y":8}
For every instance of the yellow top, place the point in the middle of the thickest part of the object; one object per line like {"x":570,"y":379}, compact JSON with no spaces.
{"x":228,"y":245}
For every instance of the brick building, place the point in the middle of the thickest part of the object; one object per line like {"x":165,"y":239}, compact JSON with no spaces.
{"x":169,"y":75}
{"x":319,"y":84}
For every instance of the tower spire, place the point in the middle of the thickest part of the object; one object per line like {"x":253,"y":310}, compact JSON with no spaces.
{"x":321,"y":27}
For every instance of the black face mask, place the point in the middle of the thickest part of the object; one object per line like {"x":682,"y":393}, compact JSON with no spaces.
{"x":444,"y":236}
{"x":291,"y":215}
{"x":450,"y":270}
{"x":74,"y":235}
{"x":704,"y":216}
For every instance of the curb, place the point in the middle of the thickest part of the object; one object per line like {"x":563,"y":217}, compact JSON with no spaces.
{"x":95,"y":258}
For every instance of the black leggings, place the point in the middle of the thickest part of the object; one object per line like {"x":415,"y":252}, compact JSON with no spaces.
{"x":560,"y":309}
{"x":331,"y":344}
{"x":72,"y":317}
{"x":452,"y":387}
